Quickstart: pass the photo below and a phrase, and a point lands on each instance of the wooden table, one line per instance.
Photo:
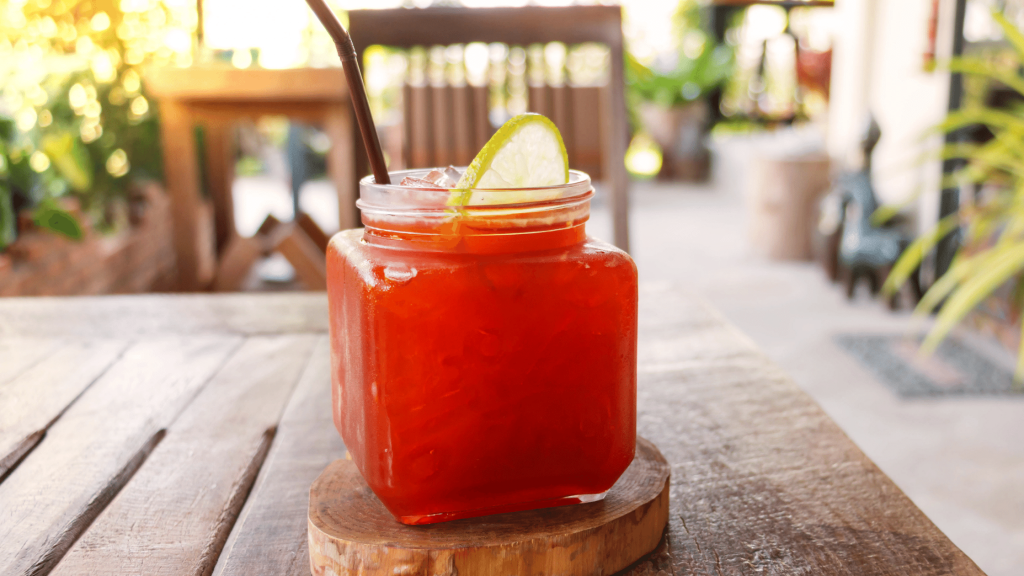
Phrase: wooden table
(180, 435)
(216, 98)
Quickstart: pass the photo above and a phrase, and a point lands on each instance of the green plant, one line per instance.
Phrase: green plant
(78, 152)
(697, 67)
(74, 121)
(19, 181)
(991, 225)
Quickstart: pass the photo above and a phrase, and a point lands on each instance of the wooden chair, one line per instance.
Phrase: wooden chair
(406, 28)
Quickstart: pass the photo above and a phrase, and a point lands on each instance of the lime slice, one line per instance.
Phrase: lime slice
(527, 152)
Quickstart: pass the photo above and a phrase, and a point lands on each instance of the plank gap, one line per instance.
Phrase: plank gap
(24, 447)
(92, 510)
(117, 358)
(239, 495)
(16, 456)
(188, 497)
(93, 453)
(270, 536)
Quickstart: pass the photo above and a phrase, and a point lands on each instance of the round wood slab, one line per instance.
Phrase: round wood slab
(350, 531)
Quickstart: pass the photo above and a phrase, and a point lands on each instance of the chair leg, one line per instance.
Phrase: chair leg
(848, 276)
(915, 286)
(875, 276)
(298, 159)
(341, 163)
(893, 301)
(617, 181)
(616, 138)
(219, 142)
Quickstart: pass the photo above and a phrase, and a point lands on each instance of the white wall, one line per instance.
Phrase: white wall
(849, 90)
(878, 65)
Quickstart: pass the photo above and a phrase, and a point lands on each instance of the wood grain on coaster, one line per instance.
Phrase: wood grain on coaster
(350, 531)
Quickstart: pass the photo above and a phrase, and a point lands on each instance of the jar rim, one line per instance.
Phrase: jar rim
(395, 197)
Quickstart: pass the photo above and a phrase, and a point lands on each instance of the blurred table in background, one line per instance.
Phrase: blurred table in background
(215, 98)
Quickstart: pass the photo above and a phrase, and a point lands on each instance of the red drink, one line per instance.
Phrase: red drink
(483, 359)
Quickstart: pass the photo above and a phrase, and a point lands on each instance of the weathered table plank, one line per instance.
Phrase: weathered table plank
(133, 316)
(95, 447)
(32, 401)
(176, 512)
(763, 482)
(270, 535)
(19, 354)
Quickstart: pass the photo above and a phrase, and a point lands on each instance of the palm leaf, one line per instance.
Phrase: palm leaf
(960, 269)
(1018, 374)
(952, 151)
(1008, 145)
(912, 256)
(995, 222)
(993, 156)
(1004, 263)
(1013, 228)
(970, 174)
(995, 119)
(999, 152)
(984, 224)
(978, 67)
(886, 212)
(1012, 33)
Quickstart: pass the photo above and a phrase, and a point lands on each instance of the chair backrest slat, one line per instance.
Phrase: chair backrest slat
(405, 28)
(448, 124)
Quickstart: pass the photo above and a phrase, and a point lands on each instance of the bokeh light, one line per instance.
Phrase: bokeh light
(643, 157)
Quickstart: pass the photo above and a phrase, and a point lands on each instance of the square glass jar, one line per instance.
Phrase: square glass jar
(483, 356)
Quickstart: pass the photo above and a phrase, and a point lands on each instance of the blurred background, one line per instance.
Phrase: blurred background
(817, 170)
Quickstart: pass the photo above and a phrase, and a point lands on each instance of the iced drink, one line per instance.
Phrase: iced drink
(483, 355)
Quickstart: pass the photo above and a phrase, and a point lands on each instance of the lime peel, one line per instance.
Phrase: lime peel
(526, 152)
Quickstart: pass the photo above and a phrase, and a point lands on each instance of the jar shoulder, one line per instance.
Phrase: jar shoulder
(352, 261)
(348, 245)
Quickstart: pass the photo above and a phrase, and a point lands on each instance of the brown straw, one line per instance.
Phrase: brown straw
(356, 90)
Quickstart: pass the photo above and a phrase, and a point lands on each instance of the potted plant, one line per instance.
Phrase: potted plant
(80, 211)
(990, 226)
(51, 171)
(669, 95)
(17, 183)
(76, 131)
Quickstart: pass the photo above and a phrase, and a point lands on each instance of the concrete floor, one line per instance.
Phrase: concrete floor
(961, 460)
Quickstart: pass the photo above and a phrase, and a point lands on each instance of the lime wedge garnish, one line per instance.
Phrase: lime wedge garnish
(526, 152)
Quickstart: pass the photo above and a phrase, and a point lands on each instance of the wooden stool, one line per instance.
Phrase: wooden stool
(350, 531)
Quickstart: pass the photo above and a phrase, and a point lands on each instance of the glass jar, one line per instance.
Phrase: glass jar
(483, 356)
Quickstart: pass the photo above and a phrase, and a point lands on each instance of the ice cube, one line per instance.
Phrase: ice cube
(453, 174)
(417, 183)
(436, 178)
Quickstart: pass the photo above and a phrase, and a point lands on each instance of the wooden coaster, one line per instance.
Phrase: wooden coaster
(350, 531)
